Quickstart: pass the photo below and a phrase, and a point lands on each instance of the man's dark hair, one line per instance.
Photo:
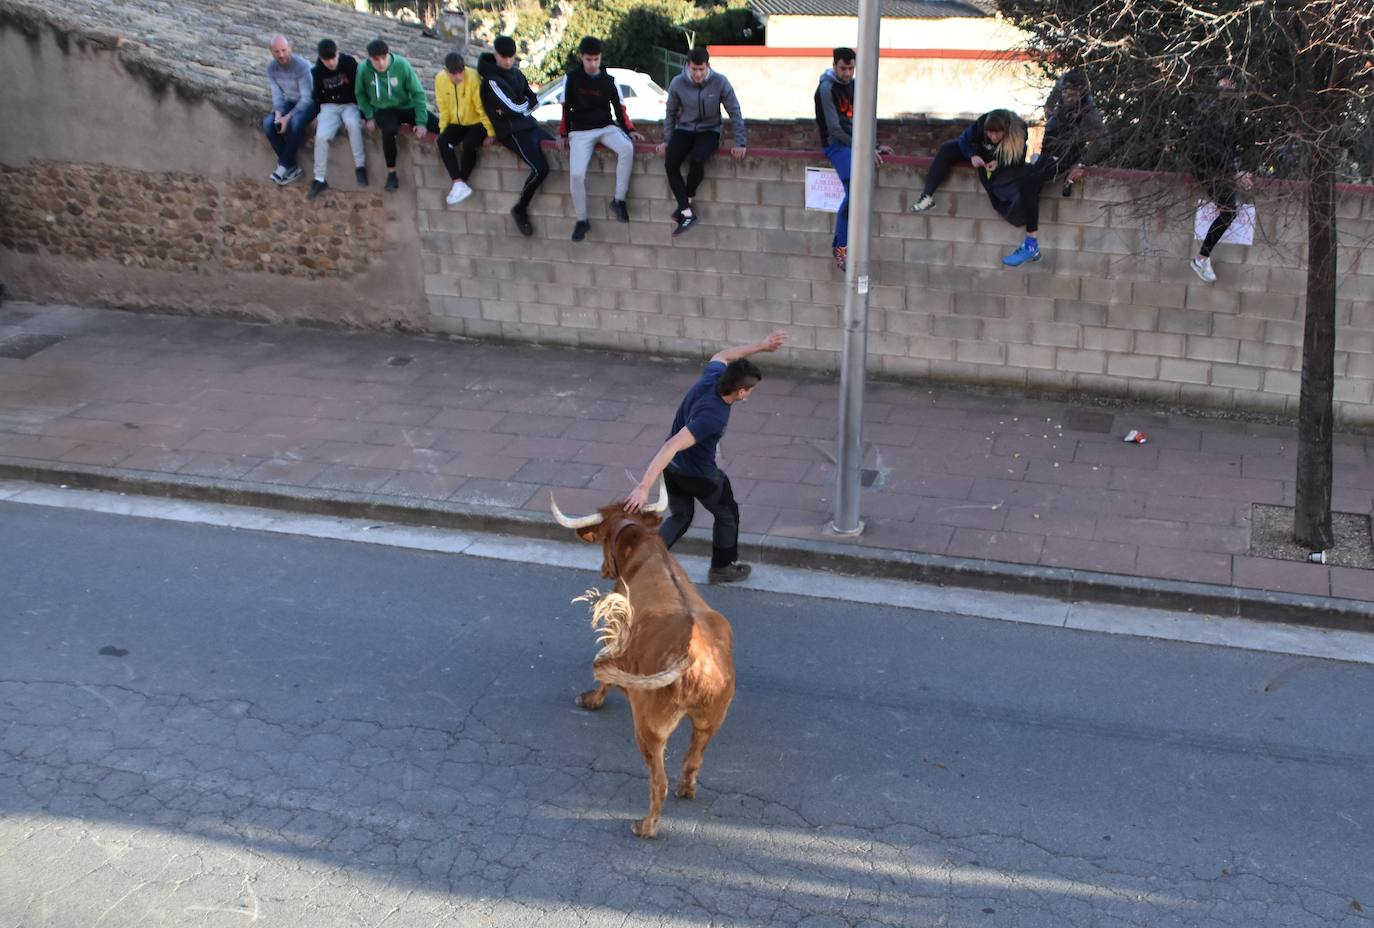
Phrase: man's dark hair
(740, 372)
(843, 54)
(453, 63)
(1077, 79)
(699, 56)
(377, 48)
(327, 49)
(504, 46)
(590, 45)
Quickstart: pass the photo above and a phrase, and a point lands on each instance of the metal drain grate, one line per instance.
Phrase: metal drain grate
(19, 347)
(867, 477)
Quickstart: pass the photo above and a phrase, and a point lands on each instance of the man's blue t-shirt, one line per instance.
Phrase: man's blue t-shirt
(705, 415)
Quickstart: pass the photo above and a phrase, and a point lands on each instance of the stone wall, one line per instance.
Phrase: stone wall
(124, 195)
(1113, 309)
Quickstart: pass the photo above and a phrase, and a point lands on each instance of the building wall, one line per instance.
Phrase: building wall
(779, 83)
(1112, 309)
(982, 33)
(130, 193)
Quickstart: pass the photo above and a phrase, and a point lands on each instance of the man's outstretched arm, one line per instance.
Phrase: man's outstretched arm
(681, 441)
(772, 343)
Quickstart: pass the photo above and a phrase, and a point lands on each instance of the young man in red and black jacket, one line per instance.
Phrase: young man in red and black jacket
(590, 100)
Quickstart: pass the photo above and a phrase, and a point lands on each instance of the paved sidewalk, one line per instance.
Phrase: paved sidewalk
(998, 491)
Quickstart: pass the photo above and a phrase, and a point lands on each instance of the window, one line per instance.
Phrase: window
(626, 91)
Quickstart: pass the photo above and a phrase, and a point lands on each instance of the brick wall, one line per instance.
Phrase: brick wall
(1112, 309)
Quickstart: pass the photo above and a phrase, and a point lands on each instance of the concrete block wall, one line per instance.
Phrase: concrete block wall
(1113, 308)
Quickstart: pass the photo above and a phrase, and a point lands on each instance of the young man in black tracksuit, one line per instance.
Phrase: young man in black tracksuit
(590, 101)
(509, 102)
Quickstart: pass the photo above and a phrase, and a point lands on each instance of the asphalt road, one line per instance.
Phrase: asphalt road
(203, 726)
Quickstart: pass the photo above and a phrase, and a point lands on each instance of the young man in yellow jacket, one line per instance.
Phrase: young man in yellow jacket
(463, 124)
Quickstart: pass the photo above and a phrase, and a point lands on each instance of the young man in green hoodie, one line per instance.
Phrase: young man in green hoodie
(390, 95)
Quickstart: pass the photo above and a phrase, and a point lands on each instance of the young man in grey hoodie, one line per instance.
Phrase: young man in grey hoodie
(691, 129)
(293, 106)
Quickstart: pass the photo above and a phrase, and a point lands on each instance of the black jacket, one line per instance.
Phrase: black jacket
(506, 96)
(336, 86)
(588, 102)
(835, 110)
(1216, 137)
(1073, 131)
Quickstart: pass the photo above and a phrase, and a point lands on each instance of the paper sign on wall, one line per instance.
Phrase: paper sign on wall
(1242, 231)
(823, 190)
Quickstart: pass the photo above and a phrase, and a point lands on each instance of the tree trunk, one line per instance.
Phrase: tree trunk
(1312, 517)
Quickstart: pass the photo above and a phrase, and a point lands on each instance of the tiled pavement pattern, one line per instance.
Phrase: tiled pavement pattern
(967, 474)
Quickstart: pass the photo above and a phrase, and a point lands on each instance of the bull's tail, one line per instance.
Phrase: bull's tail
(608, 673)
(612, 617)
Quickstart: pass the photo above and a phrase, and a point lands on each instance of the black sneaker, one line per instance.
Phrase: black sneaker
(685, 222)
(677, 215)
(393, 183)
(317, 187)
(730, 573)
(361, 175)
(579, 230)
(620, 211)
(522, 220)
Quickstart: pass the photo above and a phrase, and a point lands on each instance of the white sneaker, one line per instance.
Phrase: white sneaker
(278, 174)
(1202, 267)
(923, 204)
(458, 193)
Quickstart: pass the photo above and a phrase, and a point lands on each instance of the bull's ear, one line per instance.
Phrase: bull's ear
(651, 519)
(589, 533)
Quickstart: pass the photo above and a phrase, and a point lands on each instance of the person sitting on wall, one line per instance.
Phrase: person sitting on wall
(510, 103)
(590, 103)
(335, 76)
(463, 124)
(390, 96)
(1074, 137)
(1212, 149)
(293, 106)
(835, 119)
(996, 147)
(691, 129)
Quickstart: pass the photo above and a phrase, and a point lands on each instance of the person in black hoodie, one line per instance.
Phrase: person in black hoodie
(509, 102)
(335, 76)
(1212, 146)
(590, 98)
(835, 119)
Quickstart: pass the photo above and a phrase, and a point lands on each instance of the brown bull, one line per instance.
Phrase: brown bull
(662, 645)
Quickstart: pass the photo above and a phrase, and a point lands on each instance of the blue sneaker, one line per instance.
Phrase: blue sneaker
(1027, 252)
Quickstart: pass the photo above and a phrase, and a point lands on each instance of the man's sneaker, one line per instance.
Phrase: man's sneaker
(360, 174)
(580, 230)
(620, 211)
(278, 173)
(730, 573)
(841, 256)
(458, 193)
(924, 203)
(522, 220)
(393, 183)
(1026, 253)
(291, 176)
(685, 222)
(1202, 267)
(317, 187)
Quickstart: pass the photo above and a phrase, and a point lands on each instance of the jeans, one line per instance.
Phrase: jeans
(390, 121)
(332, 116)
(526, 144)
(287, 144)
(713, 492)
(468, 140)
(581, 144)
(841, 156)
(700, 146)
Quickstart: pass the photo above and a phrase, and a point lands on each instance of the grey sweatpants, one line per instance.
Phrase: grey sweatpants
(332, 116)
(580, 147)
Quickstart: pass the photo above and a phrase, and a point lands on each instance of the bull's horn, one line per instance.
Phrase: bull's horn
(662, 502)
(583, 522)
